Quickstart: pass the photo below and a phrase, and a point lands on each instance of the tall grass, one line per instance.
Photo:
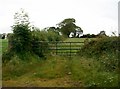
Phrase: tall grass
(92, 73)
(105, 52)
(17, 67)
(82, 72)
(53, 67)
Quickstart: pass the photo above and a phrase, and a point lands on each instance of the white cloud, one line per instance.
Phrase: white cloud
(92, 15)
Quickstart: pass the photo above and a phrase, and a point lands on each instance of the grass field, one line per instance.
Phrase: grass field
(78, 39)
(3, 45)
(75, 39)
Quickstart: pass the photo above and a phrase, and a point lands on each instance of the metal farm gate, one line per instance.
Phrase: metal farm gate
(62, 48)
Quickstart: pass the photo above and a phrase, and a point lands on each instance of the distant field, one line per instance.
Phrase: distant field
(78, 39)
(3, 45)
(75, 40)
(69, 46)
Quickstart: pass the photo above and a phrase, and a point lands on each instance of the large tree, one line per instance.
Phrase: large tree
(67, 26)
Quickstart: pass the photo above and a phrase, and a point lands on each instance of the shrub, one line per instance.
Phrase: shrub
(53, 36)
(39, 46)
(103, 49)
(40, 41)
(100, 46)
(21, 39)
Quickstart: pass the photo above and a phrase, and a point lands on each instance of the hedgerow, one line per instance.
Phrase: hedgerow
(104, 49)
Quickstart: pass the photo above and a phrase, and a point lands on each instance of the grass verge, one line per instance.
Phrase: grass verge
(58, 71)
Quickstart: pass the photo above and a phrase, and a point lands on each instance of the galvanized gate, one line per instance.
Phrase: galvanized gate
(64, 48)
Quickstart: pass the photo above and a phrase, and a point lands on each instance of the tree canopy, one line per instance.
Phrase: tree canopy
(67, 26)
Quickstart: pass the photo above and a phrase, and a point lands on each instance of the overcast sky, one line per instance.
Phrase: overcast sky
(91, 15)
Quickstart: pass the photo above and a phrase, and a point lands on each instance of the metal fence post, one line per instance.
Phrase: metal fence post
(70, 49)
(56, 48)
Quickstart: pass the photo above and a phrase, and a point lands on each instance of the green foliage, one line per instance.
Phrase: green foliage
(92, 73)
(40, 41)
(19, 43)
(21, 38)
(81, 72)
(6, 56)
(53, 67)
(67, 26)
(54, 36)
(104, 49)
(100, 46)
(17, 67)
(38, 45)
(3, 45)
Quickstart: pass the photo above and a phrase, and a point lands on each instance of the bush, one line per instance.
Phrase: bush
(40, 41)
(103, 49)
(100, 46)
(38, 45)
(53, 36)
(6, 56)
(21, 39)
